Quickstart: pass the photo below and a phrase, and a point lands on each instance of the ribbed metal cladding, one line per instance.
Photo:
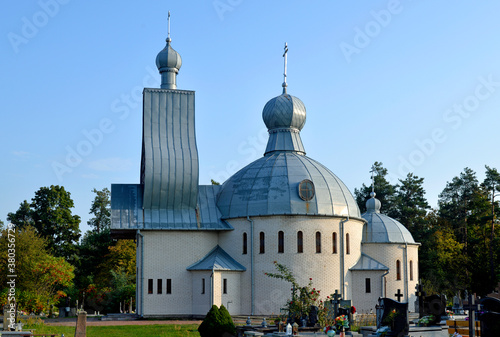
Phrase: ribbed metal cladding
(269, 186)
(383, 229)
(170, 157)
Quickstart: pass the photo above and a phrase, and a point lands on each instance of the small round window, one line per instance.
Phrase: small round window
(306, 190)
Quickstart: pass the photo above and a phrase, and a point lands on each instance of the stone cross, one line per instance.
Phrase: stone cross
(398, 295)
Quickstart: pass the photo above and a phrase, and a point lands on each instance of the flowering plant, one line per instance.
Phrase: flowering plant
(328, 328)
(342, 322)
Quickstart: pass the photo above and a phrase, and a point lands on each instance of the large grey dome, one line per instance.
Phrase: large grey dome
(381, 228)
(270, 186)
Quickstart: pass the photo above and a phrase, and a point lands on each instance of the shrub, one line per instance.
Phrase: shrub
(217, 323)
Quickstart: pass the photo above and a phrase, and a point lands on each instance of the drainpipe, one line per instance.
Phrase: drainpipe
(212, 295)
(405, 258)
(342, 256)
(141, 272)
(251, 267)
(382, 283)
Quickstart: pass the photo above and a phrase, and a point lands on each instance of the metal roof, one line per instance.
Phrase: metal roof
(169, 163)
(269, 186)
(381, 228)
(127, 211)
(284, 116)
(217, 259)
(367, 263)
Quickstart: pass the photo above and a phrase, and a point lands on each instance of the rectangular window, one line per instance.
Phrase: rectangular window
(150, 286)
(224, 286)
(368, 286)
(160, 286)
(202, 285)
(169, 286)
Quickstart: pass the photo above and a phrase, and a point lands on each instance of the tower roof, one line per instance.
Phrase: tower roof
(168, 62)
(381, 228)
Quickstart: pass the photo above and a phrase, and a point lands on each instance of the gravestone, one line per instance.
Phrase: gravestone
(457, 307)
(313, 316)
(399, 323)
(435, 305)
(490, 317)
(81, 324)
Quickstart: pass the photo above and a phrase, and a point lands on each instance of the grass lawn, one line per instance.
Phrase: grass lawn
(122, 330)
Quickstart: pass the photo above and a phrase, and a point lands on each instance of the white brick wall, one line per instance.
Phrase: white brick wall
(167, 254)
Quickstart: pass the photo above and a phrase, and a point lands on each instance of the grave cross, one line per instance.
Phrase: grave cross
(336, 300)
(472, 307)
(399, 295)
(420, 295)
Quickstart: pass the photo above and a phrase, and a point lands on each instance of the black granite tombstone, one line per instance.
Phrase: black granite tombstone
(435, 306)
(490, 317)
(313, 316)
(393, 314)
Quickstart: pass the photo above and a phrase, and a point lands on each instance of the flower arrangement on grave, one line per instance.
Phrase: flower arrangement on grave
(342, 322)
(425, 320)
(449, 313)
(328, 329)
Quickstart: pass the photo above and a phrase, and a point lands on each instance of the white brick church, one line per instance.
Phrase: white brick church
(200, 245)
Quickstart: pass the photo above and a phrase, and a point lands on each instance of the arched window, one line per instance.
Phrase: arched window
(411, 270)
(262, 246)
(300, 242)
(334, 243)
(318, 242)
(245, 243)
(281, 242)
(398, 270)
(347, 244)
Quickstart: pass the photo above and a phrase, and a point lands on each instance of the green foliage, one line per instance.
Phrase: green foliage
(384, 190)
(217, 323)
(302, 297)
(101, 209)
(214, 182)
(50, 214)
(41, 277)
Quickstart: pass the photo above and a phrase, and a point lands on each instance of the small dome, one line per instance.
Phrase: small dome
(284, 111)
(285, 183)
(168, 59)
(381, 228)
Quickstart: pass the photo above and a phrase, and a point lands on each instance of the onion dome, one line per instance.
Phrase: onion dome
(381, 228)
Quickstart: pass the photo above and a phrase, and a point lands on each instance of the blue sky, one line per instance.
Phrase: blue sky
(412, 84)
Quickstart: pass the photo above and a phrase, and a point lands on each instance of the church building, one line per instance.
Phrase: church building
(199, 245)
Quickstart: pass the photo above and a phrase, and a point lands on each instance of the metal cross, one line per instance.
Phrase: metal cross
(284, 71)
(373, 178)
(168, 29)
(399, 295)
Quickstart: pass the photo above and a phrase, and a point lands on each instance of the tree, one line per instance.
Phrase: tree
(217, 323)
(50, 214)
(384, 190)
(23, 216)
(40, 275)
(465, 208)
(411, 205)
(101, 210)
